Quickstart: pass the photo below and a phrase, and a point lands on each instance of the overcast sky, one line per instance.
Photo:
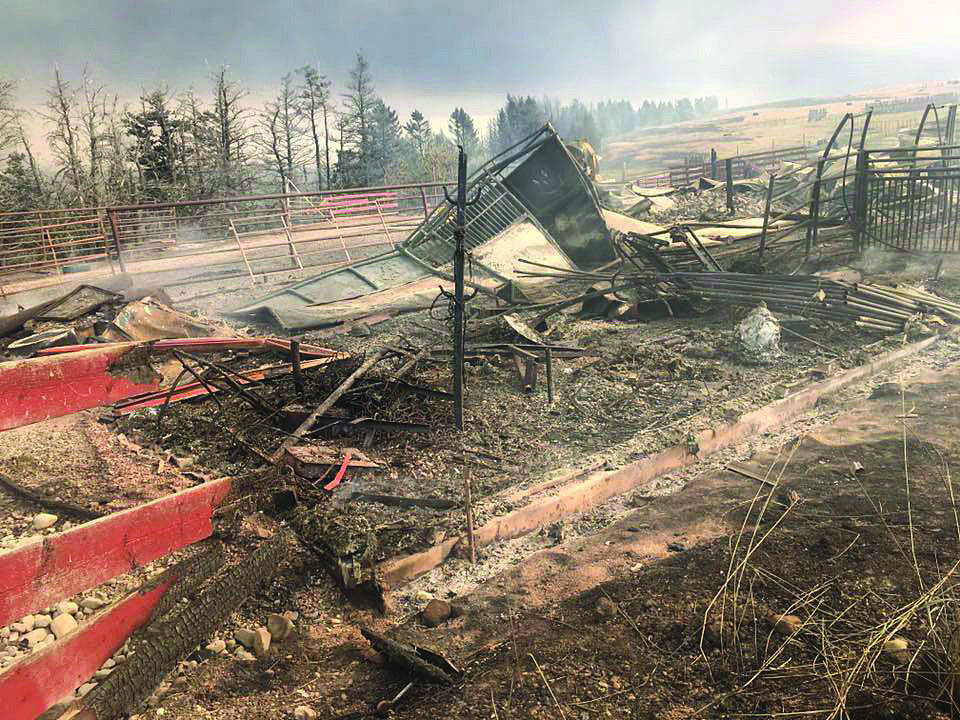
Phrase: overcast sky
(437, 55)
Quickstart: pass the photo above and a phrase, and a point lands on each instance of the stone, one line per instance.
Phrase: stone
(244, 655)
(109, 663)
(42, 521)
(895, 644)
(261, 641)
(760, 336)
(92, 603)
(68, 606)
(217, 646)
(887, 389)
(85, 688)
(102, 673)
(42, 621)
(62, 624)
(606, 608)
(423, 596)
(24, 626)
(372, 656)
(245, 637)
(360, 330)
(35, 637)
(292, 615)
(436, 612)
(785, 624)
(279, 627)
(304, 712)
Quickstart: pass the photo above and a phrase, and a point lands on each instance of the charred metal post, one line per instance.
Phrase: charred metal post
(814, 208)
(550, 390)
(115, 231)
(297, 369)
(766, 214)
(713, 163)
(458, 260)
(728, 170)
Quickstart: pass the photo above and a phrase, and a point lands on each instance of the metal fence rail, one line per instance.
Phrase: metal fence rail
(298, 230)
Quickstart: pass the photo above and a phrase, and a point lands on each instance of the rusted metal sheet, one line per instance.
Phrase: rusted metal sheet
(43, 572)
(48, 387)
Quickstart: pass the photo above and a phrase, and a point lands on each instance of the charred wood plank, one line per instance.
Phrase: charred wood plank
(171, 637)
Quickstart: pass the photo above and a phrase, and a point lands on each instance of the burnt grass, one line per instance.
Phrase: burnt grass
(652, 646)
(836, 553)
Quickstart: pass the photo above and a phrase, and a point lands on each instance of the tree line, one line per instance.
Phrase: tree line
(184, 145)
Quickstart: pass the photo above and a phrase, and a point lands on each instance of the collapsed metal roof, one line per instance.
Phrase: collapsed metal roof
(536, 181)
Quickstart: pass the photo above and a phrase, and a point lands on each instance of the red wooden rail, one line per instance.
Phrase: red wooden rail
(49, 676)
(42, 572)
(47, 387)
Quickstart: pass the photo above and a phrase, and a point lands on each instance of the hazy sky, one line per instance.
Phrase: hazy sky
(435, 55)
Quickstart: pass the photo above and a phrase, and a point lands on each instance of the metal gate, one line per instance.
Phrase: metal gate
(909, 199)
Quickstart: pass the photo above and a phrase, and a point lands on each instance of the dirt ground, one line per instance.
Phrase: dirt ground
(665, 612)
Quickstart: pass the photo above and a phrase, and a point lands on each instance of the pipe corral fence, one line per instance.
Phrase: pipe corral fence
(253, 236)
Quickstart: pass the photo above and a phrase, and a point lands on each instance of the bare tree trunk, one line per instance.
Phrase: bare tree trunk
(326, 143)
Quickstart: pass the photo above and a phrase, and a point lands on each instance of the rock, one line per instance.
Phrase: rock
(261, 641)
(85, 688)
(42, 521)
(35, 637)
(360, 330)
(457, 611)
(244, 655)
(24, 626)
(41, 621)
(887, 389)
(68, 606)
(245, 637)
(279, 627)
(102, 673)
(556, 532)
(304, 712)
(606, 608)
(760, 336)
(676, 547)
(701, 351)
(291, 615)
(62, 624)
(92, 603)
(372, 656)
(109, 663)
(217, 646)
(423, 596)
(436, 612)
(895, 644)
(784, 624)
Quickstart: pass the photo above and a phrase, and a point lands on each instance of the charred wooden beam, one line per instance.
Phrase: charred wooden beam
(171, 637)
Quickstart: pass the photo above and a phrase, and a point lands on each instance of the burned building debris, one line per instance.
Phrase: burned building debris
(610, 338)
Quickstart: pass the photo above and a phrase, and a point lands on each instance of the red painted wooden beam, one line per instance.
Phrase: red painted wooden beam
(43, 572)
(40, 681)
(47, 387)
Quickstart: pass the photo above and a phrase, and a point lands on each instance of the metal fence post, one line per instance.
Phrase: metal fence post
(728, 168)
(859, 200)
(115, 231)
(814, 209)
(766, 214)
(713, 163)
